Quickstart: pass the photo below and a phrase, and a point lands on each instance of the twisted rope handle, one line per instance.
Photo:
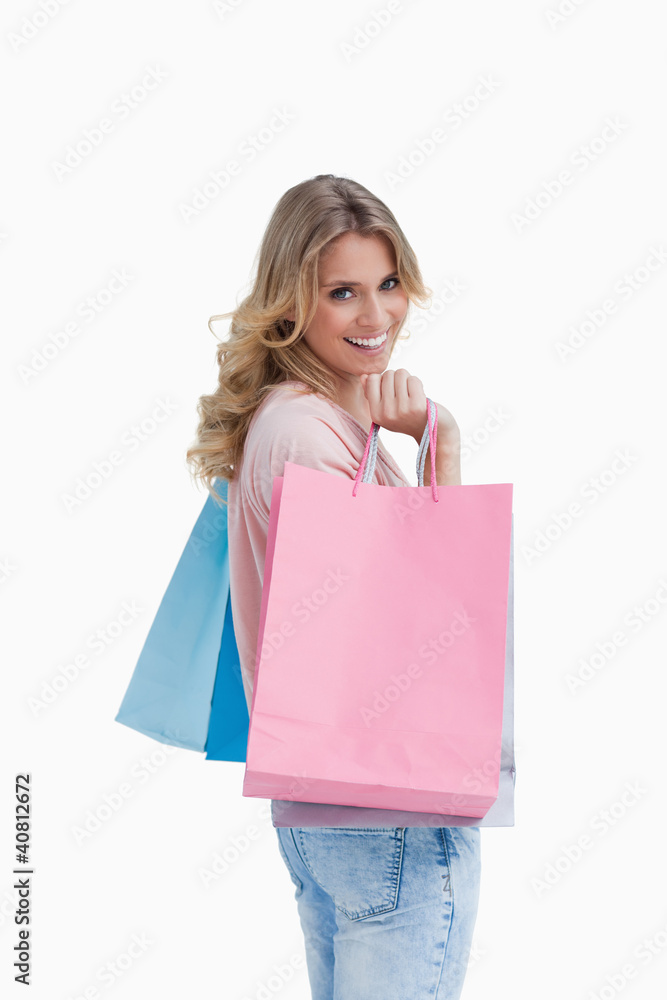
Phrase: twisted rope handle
(429, 437)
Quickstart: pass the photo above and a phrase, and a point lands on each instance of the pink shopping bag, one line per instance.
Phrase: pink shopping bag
(381, 654)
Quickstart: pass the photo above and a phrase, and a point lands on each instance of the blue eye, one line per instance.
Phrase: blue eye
(334, 294)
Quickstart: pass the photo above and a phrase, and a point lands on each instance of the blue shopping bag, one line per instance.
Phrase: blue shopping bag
(186, 689)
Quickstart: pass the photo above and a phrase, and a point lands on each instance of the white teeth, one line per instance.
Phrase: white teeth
(373, 342)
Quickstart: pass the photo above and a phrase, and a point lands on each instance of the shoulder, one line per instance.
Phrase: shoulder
(291, 412)
(295, 426)
(292, 399)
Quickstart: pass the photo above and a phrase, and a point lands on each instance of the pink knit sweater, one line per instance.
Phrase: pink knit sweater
(287, 426)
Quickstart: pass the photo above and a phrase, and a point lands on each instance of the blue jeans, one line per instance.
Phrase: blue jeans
(387, 913)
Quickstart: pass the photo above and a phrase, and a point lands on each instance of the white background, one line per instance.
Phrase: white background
(361, 98)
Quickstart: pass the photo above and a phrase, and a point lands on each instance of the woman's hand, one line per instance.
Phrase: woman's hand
(397, 401)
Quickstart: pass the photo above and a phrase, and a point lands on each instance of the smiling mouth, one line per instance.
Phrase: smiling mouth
(368, 342)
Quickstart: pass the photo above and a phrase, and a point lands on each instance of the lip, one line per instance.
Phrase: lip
(371, 351)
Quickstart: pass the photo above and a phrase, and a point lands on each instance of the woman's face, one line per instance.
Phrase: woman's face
(359, 298)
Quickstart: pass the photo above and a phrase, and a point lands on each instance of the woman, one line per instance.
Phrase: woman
(386, 912)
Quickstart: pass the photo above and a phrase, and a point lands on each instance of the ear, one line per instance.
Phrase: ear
(290, 317)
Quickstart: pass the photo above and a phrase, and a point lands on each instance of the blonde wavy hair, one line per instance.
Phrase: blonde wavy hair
(263, 348)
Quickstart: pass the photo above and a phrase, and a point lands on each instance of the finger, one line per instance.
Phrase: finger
(401, 376)
(410, 401)
(372, 390)
(387, 385)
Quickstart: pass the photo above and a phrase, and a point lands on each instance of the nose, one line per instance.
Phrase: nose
(372, 314)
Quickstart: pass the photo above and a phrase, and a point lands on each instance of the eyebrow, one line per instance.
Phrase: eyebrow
(330, 284)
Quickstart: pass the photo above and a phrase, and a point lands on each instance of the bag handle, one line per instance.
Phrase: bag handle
(429, 437)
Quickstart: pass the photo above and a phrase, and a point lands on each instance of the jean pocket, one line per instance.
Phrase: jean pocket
(360, 868)
(292, 874)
